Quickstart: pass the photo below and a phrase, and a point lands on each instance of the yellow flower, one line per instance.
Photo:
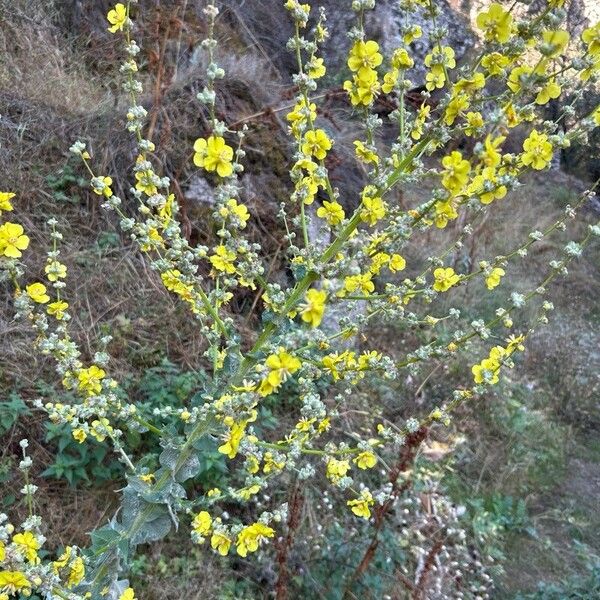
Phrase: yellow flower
(474, 123)
(55, 270)
(57, 309)
(281, 366)
(223, 260)
(316, 69)
(145, 182)
(364, 55)
(271, 464)
(316, 143)
(314, 308)
(414, 32)
(80, 435)
(550, 91)
(495, 63)
(519, 76)
(332, 212)
(556, 41)
(5, 198)
(420, 120)
(117, 17)
(13, 581)
(359, 283)
(396, 263)
(239, 211)
(250, 537)
(76, 572)
(12, 240)
(591, 37)
(100, 429)
(401, 59)
(336, 469)
(365, 460)
(488, 370)
(373, 208)
(128, 594)
(365, 154)
(537, 151)
(202, 523)
(444, 212)
(389, 81)
(90, 380)
(27, 545)
(456, 173)
(456, 106)
(493, 279)
(361, 507)
(220, 542)
(445, 278)
(301, 114)
(363, 88)
(496, 23)
(37, 292)
(233, 439)
(214, 154)
(101, 186)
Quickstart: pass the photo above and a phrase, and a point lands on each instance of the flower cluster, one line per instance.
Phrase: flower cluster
(305, 353)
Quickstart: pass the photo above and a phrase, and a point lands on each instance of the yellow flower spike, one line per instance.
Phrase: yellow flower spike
(5, 204)
(117, 17)
(12, 240)
(76, 572)
(37, 292)
(396, 263)
(445, 278)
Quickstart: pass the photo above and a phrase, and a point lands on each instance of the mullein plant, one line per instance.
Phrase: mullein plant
(527, 62)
